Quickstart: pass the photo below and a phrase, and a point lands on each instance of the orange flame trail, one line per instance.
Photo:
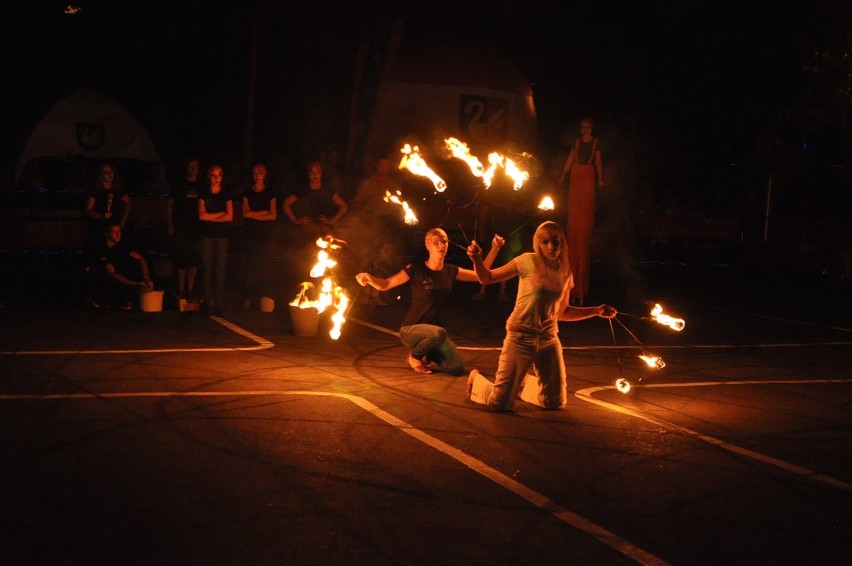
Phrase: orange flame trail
(410, 218)
(657, 314)
(412, 161)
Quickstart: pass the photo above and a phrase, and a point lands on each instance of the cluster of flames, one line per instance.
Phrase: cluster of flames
(414, 162)
(330, 294)
(653, 361)
(459, 150)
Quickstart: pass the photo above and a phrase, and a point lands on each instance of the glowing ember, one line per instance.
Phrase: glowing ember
(412, 161)
(546, 204)
(622, 384)
(666, 320)
(410, 217)
(653, 361)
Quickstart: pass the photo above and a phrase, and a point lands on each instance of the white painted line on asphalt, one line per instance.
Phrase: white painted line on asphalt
(587, 395)
(262, 344)
(539, 500)
(627, 347)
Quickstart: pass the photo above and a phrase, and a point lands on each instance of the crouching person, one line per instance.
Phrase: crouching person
(118, 274)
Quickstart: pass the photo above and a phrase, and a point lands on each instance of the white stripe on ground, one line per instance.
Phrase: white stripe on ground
(262, 344)
(628, 347)
(587, 395)
(539, 500)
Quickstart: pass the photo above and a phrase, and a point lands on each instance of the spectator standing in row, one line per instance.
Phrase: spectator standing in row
(260, 211)
(182, 208)
(313, 212)
(106, 203)
(215, 213)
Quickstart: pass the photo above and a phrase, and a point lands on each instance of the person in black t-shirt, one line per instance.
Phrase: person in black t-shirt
(431, 281)
(260, 211)
(215, 213)
(119, 273)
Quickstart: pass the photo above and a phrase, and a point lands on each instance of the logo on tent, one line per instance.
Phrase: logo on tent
(90, 136)
(483, 119)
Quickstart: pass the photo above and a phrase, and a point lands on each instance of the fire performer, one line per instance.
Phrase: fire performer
(584, 161)
(545, 282)
(431, 282)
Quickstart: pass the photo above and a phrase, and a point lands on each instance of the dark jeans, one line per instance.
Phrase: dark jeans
(214, 258)
(432, 341)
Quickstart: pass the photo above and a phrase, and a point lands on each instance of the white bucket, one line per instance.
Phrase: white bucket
(267, 304)
(151, 301)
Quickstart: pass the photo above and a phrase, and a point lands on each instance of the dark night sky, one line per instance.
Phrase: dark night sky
(685, 85)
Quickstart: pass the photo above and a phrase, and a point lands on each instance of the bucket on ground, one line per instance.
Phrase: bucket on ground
(267, 304)
(151, 301)
(305, 321)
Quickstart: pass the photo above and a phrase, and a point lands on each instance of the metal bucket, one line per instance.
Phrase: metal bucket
(305, 321)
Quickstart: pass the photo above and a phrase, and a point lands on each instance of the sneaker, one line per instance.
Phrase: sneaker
(92, 304)
(128, 306)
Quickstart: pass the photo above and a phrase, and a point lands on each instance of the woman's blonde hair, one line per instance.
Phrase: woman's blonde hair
(546, 230)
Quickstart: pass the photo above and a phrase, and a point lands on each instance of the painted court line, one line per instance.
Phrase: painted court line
(587, 395)
(539, 500)
(262, 344)
(627, 347)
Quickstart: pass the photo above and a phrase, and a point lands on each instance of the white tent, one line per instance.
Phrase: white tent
(90, 125)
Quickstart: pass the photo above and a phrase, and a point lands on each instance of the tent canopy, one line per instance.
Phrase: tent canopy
(88, 126)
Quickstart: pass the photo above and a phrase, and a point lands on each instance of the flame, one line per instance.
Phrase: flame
(69, 9)
(516, 173)
(410, 217)
(664, 319)
(546, 204)
(412, 161)
(653, 361)
(622, 384)
(331, 294)
(459, 150)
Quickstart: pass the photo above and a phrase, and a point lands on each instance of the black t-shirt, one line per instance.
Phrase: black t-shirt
(214, 203)
(108, 201)
(315, 203)
(428, 291)
(258, 201)
(185, 208)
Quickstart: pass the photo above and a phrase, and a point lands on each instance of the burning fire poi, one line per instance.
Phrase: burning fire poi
(658, 315)
(459, 150)
(412, 161)
(410, 217)
(546, 204)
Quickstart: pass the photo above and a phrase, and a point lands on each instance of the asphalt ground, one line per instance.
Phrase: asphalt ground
(170, 437)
